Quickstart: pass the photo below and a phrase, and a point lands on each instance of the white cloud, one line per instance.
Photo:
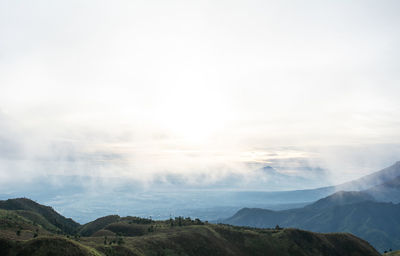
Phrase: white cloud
(187, 86)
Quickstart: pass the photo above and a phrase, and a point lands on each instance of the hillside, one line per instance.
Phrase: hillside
(30, 210)
(90, 228)
(395, 253)
(353, 212)
(116, 236)
(45, 246)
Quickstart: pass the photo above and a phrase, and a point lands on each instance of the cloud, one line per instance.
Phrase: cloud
(140, 89)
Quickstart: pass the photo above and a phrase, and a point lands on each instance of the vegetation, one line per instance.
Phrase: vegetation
(391, 253)
(100, 223)
(45, 246)
(178, 236)
(47, 214)
(353, 212)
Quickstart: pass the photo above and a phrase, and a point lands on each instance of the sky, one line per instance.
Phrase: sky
(141, 89)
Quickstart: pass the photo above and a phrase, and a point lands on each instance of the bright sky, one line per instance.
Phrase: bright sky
(195, 85)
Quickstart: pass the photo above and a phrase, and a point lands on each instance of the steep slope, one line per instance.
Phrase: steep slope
(376, 222)
(65, 225)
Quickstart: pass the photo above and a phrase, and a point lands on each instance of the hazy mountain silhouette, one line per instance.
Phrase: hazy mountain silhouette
(354, 212)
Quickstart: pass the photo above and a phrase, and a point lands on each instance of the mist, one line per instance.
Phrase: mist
(198, 94)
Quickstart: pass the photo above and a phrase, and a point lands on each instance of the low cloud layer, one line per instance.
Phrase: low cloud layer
(99, 162)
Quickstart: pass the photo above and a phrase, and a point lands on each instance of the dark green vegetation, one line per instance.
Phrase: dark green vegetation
(353, 212)
(48, 217)
(45, 246)
(32, 231)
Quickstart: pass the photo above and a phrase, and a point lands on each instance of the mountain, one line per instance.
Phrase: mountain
(373, 184)
(341, 198)
(124, 236)
(86, 202)
(386, 192)
(374, 179)
(30, 210)
(353, 212)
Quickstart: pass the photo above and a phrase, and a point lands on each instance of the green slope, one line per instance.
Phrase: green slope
(92, 227)
(49, 214)
(395, 253)
(45, 246)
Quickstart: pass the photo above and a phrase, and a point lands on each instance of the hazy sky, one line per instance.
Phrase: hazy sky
(142, 87)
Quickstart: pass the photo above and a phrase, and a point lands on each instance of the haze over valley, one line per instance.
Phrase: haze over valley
(231, 123)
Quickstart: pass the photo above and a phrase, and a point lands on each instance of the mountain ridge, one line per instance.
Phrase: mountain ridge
(377, 222)
(179, 236)
(67, 225)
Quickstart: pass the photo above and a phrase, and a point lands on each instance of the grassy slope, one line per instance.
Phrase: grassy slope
(395, 253)
(66, 225)
(45, 246)
(12, 223)
(38, 219)
(98, 224)
(227, 240)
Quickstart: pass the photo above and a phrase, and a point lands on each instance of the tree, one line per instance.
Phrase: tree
(120, 241)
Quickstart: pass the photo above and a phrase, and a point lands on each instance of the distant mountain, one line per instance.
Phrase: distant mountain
(341, 198)
(133, 236)
(84, 202)
(47, 213)
(382, 185)
(370, 184)
(354, 212)
(386, 192)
